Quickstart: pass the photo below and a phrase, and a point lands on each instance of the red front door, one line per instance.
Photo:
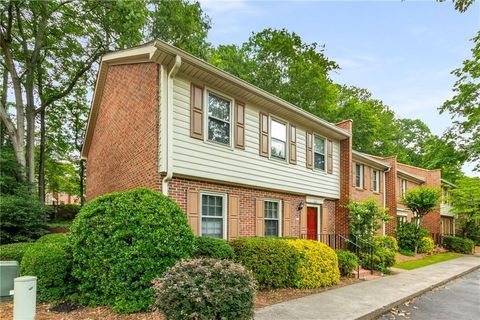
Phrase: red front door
(312, 223)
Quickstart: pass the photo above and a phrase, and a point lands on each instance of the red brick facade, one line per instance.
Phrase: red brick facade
(341, 217)
(123, 152)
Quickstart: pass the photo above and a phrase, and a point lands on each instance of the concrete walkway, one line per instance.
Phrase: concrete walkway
(367, 300)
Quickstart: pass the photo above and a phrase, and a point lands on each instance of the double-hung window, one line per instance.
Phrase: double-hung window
(358, 175)
(376, 180)
(213, 215)
(278, 140)
(272, 218)
(319, 153)
(403, 187)
(219, 118)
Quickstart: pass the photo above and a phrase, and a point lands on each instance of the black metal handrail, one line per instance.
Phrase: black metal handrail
(371, 249)
(357, 248)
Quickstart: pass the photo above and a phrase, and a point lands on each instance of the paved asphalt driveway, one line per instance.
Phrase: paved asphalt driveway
(457, 300)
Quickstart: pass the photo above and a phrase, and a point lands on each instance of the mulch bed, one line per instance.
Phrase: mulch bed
(73, 311)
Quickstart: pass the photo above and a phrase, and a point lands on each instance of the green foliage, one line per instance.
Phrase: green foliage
(204, 247)
(66, 211)
(463, 106)
(205, 289)
(318, 266)
(122, 241)
(426, 245)
(14, 251)
(273, 262)
(49, 262)
(23, 217)
(457, 244)
(387, 242)
(181, 23)
(409, 236)
(381, 260)
(365, 218)
(347, 262)
(465, 199)
(421, 200)
(471, 230)
(57, 238)
(406, 252)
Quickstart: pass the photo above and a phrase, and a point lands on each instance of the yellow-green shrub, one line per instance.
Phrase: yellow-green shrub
(318, 266)
(426, 245)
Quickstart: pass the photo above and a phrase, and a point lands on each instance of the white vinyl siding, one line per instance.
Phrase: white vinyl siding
(204, 160)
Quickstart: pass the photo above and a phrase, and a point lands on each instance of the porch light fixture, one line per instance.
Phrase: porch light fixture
(300, 206)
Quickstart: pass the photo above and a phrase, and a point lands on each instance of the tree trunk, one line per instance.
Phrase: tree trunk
(41, 159)
(82, 175)
(30, 156)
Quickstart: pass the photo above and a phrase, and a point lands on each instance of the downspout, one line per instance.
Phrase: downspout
(385, 193)
(169, 130)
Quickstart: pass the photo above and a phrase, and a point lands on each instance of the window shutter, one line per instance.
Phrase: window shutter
(364, 177)
(193, 204)
(259, 224)
(233, 216)
(263, 134)
(380, 180)
(309, 150)
(287, 212)
(371, 178)
(293, 145)
(324, 220)
(196, 112)
(329, 156)
(354, 173)
(240, 125)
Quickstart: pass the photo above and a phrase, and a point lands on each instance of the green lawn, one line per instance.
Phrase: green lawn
(413, 264)
(60, 224)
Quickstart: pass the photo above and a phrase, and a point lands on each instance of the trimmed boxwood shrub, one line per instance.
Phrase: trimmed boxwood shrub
(204, 247)
(318, 265)
(273, 262)
(457, 244)
(386, 242)
(383, 259)
(51, 265)
(426, 245)
(205, 289)
(14, 251)
(347, 262)
(121, 241)
(59, 238)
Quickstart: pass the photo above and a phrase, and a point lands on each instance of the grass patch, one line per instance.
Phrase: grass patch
(414, 264)
(60, 224)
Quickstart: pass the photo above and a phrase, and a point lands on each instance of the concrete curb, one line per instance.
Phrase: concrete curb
(376, 313)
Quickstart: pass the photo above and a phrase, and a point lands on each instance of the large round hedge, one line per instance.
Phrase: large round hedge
(121, 241)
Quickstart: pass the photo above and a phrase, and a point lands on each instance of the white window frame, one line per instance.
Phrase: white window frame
(325, 153)
(362, 168)
(279, 215)
(403, 187)
(224, 213)
(376, 180)
(270, 131)
(232, 102)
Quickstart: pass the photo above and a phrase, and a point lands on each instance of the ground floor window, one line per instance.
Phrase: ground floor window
(272, 218)
(213, 215)
(447, 225)
(401, 219)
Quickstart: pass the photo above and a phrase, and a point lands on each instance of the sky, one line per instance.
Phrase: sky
(403, 52)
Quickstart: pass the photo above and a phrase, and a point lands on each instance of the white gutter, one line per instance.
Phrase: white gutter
(169, 130)
(385, 193)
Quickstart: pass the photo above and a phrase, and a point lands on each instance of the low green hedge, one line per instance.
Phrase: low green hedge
(273, 262)
(347, 262)
(58, 238)
(457, 244)
(14, 251)
(49, 262)
(381, 260)
(204, 247)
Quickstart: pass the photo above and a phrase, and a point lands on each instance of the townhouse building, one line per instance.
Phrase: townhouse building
(238, 160)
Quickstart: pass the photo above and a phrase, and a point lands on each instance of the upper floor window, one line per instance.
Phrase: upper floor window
(272, 218)
(278, 140)
(358, 175)
(403, 187)
(213, 215)
(218, 121)
(376, 180)
(319, 153)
